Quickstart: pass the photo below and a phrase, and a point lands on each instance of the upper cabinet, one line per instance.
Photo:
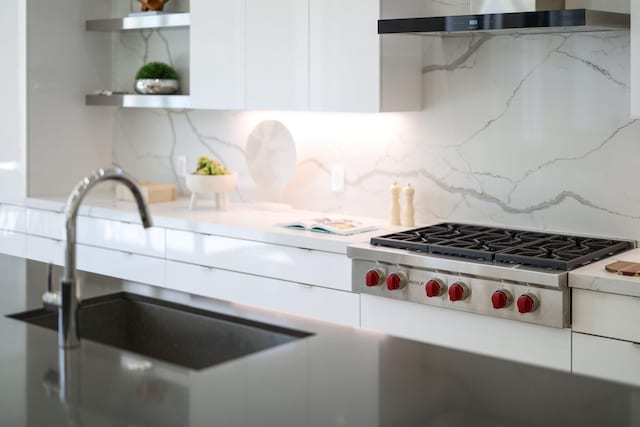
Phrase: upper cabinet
(305, 55)
(352, 68)
(277, 52)
(217, 54)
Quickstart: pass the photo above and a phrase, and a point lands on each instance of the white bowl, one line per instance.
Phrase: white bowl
(211, 183)
(218, 184)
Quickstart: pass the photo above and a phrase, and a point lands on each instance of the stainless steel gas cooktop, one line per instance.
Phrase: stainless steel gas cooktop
(513, 274)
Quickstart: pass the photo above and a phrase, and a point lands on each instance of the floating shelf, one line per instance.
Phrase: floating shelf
(140, 101)
(165, 20)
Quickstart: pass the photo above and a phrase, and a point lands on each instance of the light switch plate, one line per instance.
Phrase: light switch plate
(181, 166)
(337, 179)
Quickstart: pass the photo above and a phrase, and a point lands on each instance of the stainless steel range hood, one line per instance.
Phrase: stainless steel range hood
(515, 16)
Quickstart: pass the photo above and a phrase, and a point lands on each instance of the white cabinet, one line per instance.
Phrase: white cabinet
(606, 329)
(606, 358)
(217, 54)
(12, 230)
(318, 55)
(277, 73)
(287, 297)
(123, 236)
(249, 54)
(352, 68)
(46, 223)
(606, 315)
(299, 265)
(507, 339)
(50, 251)
(12, 243)
(123, 265)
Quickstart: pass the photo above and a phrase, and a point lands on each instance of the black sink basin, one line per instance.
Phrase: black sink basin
(174, 333)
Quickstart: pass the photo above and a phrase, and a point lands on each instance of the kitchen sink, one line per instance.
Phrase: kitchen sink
(174, 333)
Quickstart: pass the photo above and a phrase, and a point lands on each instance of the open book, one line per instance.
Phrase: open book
(343, 226)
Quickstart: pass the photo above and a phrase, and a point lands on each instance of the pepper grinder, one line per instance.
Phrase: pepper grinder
(408, 214)
(394, 208)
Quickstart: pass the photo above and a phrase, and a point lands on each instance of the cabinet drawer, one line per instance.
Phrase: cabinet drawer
(45, 250)
(292, 298)
(325, 269)
(606, 358)
(12, 243)
(46, 223)
(506, 339)
(607, 315)
(122, 236)
(123, 265)
(13, 218)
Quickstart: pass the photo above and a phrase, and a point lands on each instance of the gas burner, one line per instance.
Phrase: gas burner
(535, 249)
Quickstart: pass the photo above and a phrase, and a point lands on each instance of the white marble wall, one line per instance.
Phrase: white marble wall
(529, 131)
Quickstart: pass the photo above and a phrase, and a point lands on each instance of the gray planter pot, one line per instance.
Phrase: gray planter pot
(156, 86)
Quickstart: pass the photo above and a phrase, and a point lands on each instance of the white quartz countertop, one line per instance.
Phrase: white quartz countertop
(594, 277)
(257, 222)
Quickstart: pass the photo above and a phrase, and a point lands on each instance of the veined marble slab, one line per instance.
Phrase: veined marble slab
(517, 130)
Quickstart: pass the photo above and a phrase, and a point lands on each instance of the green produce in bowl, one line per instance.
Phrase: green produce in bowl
(207, 166)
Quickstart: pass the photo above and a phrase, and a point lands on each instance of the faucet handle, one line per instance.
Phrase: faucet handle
(50, 299)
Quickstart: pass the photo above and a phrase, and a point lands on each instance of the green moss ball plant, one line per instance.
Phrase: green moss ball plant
(156, 78)
(157, 70)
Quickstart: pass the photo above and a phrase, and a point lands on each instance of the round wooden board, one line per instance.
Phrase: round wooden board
(625, 268)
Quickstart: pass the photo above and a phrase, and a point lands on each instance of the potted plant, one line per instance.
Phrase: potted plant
(211, 177)
(156, 78)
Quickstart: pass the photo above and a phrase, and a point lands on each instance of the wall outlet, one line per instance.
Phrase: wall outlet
(337, 179)
(181, 166)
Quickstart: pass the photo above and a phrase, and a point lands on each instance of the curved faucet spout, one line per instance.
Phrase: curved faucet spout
(68, 336)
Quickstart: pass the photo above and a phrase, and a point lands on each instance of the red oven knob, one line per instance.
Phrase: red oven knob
(396, 281)
(527, 303)
(435, 288)
(458, 292)
(375, 277)
(501, 299)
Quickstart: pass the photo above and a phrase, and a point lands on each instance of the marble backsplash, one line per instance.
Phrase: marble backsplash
(516, 130)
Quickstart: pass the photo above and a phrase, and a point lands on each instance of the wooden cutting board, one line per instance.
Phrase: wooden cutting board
(625, 268)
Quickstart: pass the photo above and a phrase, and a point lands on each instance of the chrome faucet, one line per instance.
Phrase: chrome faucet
(68, 310)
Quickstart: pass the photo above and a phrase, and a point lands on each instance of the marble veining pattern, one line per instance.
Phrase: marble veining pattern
(517, 130)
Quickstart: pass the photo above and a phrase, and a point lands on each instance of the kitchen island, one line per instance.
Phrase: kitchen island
(335, 377)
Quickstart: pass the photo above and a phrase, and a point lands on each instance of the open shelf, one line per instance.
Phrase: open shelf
(140, 101)
(164, 20)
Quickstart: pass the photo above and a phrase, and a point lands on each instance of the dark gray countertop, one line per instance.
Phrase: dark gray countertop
(337, 377)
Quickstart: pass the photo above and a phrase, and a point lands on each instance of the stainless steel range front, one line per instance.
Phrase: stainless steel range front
(512, 274)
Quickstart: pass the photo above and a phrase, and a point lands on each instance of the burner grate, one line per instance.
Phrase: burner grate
(553, 251)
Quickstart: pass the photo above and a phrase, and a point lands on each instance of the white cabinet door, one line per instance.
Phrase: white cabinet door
(606, 315)
(217, 54)
(299, 265)
(345, 55)
(506, 339)
(287, 297)
(277, 67)
(122, 236)
(45, 250)
(127, 266)
(606, 358)
(12, 243)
